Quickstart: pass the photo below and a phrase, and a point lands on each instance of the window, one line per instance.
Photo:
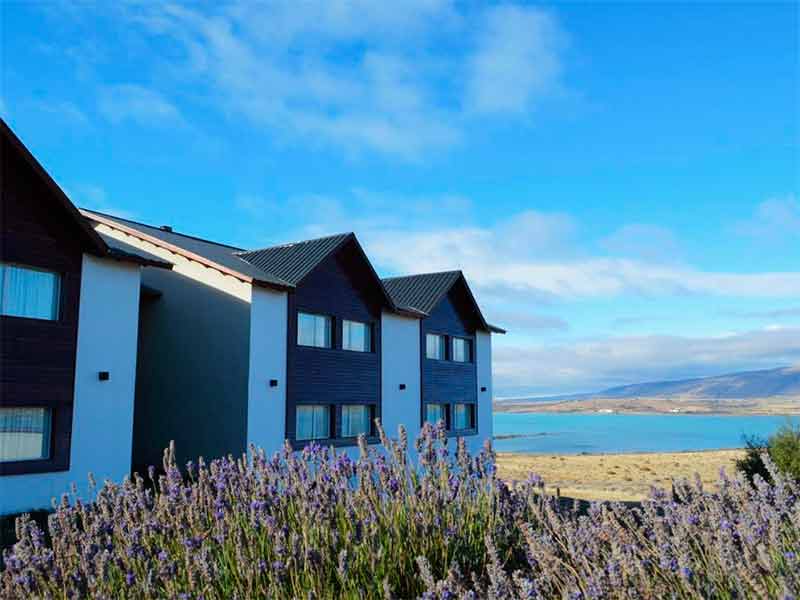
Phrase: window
(27, 292)
(24, 434)
(434, 346)
(356, 419)
(313, 330)
(461, 350)
(463, 416)
(313, 422)
(435, 413)
(356, 336)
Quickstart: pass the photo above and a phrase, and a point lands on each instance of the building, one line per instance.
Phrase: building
(69, 314)
(119, 337)
(300, 341)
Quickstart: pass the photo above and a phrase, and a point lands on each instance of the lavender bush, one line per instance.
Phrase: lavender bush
(317, 524)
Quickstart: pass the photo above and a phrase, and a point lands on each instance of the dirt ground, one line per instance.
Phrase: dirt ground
(617, 476)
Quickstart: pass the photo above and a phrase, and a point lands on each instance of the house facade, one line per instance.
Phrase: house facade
(300, 342)
(69, 306)
(119, 337)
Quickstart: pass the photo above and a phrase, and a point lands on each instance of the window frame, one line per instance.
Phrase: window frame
(47, 434)
(445, 408)
(473, 417)
(467, 349)
(331, 330)
(368, 326)
(340, 420)
(328, 409)
(58, 293)
(443, 346)
(59, 443)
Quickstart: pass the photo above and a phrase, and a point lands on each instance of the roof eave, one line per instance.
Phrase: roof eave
(123, 256)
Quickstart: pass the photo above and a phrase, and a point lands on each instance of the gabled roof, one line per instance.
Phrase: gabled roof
(293, 262)
(90, 239)
(423, 292)
(122, 251)
(212, 254)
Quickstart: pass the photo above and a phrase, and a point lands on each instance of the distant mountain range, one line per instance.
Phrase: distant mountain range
(768, 383)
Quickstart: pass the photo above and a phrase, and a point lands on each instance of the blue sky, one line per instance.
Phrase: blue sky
(618, 181)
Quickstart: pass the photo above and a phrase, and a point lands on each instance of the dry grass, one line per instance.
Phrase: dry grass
(617, 476)
(689, 405)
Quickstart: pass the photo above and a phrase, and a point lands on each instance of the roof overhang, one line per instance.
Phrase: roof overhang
(182, 252)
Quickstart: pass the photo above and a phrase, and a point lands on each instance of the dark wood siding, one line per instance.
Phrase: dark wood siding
(338, 287)
(445, 381)
(37, 356)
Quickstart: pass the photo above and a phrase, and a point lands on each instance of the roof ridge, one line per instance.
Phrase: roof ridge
(451, 271)
(186, 235)
(295, 243)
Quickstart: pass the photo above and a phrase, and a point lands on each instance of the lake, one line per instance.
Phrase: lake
(549, 433)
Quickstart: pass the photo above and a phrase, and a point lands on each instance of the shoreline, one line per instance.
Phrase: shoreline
(622, 452)
(618, 476)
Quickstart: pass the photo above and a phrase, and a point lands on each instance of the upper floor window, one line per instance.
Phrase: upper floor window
(28, 292)
(356, 420)
(313, 422)
(434, 346)
(461, 350)
(313, 330)
(24, 433)
(356, 336)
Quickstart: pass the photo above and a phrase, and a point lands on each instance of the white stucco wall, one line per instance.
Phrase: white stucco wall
(102, 418)
(483, 356)
(400, 364)
(266, 408)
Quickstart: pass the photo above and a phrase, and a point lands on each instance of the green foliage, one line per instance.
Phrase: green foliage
(782, 447)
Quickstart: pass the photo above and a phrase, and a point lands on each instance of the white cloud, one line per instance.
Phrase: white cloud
(774, 220)
(136, 103)
(644, 241)
(365, 76)
(595, 364)
(94, 197)
(517, 60)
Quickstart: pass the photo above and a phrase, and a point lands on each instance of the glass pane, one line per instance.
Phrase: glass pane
(355, 420)
(458, 350)
(24, 433)
(312, 422)
(434, 346)
(29, 293)
(313, 330)
(462, 416)
(355, 336)
(434, 413)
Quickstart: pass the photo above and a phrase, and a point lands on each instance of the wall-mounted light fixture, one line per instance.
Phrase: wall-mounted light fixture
(273, 383)
(104, 376)
(402, 386)
(483, 388)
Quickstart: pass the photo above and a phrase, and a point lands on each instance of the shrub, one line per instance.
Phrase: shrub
(783, 448)
(317, 524)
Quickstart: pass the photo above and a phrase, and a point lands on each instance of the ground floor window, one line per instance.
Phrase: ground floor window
(463, 416)
(356, 420)
(435, 413)
(313, 422)
(25, 433)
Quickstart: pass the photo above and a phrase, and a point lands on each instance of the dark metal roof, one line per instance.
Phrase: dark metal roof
(219, 254)
(122, 251)
(292, 262)
(423, 292)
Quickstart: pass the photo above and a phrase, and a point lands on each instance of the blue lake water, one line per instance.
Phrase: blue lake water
(547, 433)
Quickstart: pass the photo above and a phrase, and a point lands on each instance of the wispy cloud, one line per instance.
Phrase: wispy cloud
(774, 221)
(778, 313)
(138, 104)
(594, 364)
(369, 77)
(95, 197)
(517, 61)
